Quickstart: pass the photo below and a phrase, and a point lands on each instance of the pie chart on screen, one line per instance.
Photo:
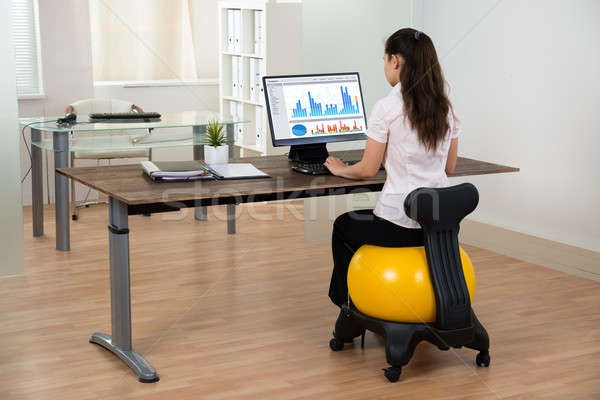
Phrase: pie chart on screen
(299, 130)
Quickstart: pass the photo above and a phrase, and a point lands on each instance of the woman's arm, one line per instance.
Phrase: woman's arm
(452, 156)
(365, 168)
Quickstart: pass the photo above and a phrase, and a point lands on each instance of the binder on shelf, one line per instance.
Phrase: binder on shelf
(235, 77)
(251, 83)
(258, 81)
(237, 30)
(240, 78)
(239, 128)
(260, 136)
(258, 33)
(230, 33)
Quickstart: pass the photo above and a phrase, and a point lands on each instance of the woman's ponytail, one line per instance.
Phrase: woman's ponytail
(423, 88)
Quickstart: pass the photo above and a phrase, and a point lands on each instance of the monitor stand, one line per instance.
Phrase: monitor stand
(308, 153)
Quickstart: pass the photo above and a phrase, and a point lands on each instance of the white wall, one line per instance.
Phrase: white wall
(67, 71)
(204, 25)
(348, 35)
(201, 95)
(11, 211)
(525, 83)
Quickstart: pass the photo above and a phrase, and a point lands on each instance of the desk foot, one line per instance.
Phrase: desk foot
(145, 372)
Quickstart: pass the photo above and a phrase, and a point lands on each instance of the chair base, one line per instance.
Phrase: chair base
(401, 339)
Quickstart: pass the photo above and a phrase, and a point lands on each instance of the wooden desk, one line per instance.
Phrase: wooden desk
(128, 184)
(131, 192)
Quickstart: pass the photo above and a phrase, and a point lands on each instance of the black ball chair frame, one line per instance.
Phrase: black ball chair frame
(439, 212)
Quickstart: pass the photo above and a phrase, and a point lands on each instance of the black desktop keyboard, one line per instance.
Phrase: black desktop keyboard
(125, 115)
(316, 168)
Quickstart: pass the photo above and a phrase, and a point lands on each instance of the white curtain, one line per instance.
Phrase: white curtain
(142, 40)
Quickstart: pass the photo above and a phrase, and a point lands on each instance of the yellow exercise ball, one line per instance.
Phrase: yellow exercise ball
(393, 284)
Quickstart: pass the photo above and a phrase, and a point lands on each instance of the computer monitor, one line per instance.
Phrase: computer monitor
(308, 111)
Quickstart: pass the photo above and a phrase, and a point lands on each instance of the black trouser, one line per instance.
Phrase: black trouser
(355, 228)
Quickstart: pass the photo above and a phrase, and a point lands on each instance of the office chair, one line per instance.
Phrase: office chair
(439, 212)
(86, 107)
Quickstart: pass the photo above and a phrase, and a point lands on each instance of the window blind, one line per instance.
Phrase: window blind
(26, 39)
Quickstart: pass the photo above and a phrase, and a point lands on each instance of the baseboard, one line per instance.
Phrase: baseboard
(555, 255)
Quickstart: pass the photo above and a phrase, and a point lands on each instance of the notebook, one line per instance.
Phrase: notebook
(175, 170)
(162, 171)
(235, 171)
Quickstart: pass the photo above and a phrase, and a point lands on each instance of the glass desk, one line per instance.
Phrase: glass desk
(93, 136)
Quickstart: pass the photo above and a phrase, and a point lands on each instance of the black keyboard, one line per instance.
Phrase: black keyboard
(125, 115)
(316, 168)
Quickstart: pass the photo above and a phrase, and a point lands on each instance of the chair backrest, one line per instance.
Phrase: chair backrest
(88, 106)
(439, 212)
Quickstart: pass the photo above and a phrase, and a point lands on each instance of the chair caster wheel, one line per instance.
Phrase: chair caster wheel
(392, 373)
(336, 344)
(483, 359)
(74, 217)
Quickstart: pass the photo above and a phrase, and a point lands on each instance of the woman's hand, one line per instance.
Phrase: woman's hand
(366, 168)
(335, 165)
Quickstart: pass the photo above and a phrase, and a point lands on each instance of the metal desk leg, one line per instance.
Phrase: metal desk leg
(119, 342)
(61, 191)
(37, 186)
(231, 207)
(231, 219)
(199, 212)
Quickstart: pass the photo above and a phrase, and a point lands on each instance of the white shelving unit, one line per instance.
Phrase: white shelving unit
(256, 38)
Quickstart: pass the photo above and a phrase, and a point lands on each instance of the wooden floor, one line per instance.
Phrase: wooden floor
(247, 317)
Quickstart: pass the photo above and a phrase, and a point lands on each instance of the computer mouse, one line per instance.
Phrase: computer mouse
(69, 118)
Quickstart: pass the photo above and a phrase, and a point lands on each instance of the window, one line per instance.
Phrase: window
(27, 48)
(154, 40)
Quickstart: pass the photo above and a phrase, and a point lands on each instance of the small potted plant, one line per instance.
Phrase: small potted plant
(216, 148)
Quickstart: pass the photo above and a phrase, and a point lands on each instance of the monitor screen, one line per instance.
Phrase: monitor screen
(305, 109)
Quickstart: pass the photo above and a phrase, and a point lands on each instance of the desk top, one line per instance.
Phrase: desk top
(129, 184)
(167, 120)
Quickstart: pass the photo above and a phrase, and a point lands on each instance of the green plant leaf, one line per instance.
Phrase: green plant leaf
(214, 135)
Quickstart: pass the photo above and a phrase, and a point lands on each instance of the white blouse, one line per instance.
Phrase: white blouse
(408, 164)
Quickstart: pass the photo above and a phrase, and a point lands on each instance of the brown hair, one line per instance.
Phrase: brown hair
(423, 86)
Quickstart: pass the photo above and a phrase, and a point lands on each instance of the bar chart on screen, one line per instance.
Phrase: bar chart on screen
(313, 128)
(332, 100)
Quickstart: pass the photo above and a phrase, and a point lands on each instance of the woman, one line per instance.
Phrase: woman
(412, 130)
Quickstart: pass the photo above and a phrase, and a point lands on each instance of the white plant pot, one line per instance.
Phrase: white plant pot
(216, 155)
